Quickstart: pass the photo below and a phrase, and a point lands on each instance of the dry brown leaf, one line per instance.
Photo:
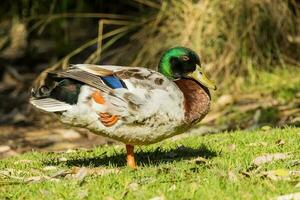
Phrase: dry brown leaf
(198, 160)
(61, 173)
(295, 173)
(269, 158)
(81, 174)
(172, 188)
(281, 174)
(49, 168)
(231, 147)
(280, 142)
(293, 163)
(35, 179)
(255, 144)
(10, 174)
(32, 179)
(100, 171)
(23, 161)
(275, 175)
(232, 176)
(82, 194)
(62, 159)
(133, 186)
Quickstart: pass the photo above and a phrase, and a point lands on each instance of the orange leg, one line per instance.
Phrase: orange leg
(130, 156)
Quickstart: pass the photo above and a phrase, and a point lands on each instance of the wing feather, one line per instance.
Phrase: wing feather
(84, 77)
(138, 100)
(50, 104)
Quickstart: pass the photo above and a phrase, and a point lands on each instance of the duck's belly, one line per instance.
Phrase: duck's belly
(142, 134)
(151, 130)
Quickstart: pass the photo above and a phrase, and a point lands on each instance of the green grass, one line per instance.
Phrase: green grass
(281, 84)
(274, 92)
(168, 169)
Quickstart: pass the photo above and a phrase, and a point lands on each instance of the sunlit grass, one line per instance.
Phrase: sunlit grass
(210, 167)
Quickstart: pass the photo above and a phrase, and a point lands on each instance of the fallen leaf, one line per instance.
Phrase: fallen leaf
(232, 176)
(133, 186)
(45, 192)
(23, 161)
(231, 147)
(81, 174)
(246, 174)
(280, 142)
(294, 173)
(82, 194)
(293, 163)
(62, 159)
(269, 158)
(172, 188)
(199, 160)
(279, 174)
(9, 173)
(263, 144)
(34, 179)
(61, 173)
(293, 196)
(49, 168)
(101, 171)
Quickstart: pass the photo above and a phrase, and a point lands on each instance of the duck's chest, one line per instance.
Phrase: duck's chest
(196, 100)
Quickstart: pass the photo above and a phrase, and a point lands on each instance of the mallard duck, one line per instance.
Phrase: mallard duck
(134, 105)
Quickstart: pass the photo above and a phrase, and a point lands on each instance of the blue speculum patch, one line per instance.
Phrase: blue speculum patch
(113, 82)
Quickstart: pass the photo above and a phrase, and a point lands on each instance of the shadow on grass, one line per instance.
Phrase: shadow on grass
(152, 158)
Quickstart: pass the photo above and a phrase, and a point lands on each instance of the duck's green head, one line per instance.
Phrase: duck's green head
(181, 62)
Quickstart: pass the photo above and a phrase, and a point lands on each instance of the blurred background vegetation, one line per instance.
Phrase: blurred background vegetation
(250, 47)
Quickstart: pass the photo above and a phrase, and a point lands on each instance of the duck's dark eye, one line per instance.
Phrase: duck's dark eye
(44, 90)
(185, 58)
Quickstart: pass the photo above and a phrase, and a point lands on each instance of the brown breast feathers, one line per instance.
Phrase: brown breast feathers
(196, 99)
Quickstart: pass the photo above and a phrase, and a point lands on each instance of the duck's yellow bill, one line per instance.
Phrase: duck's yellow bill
(200, 76)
